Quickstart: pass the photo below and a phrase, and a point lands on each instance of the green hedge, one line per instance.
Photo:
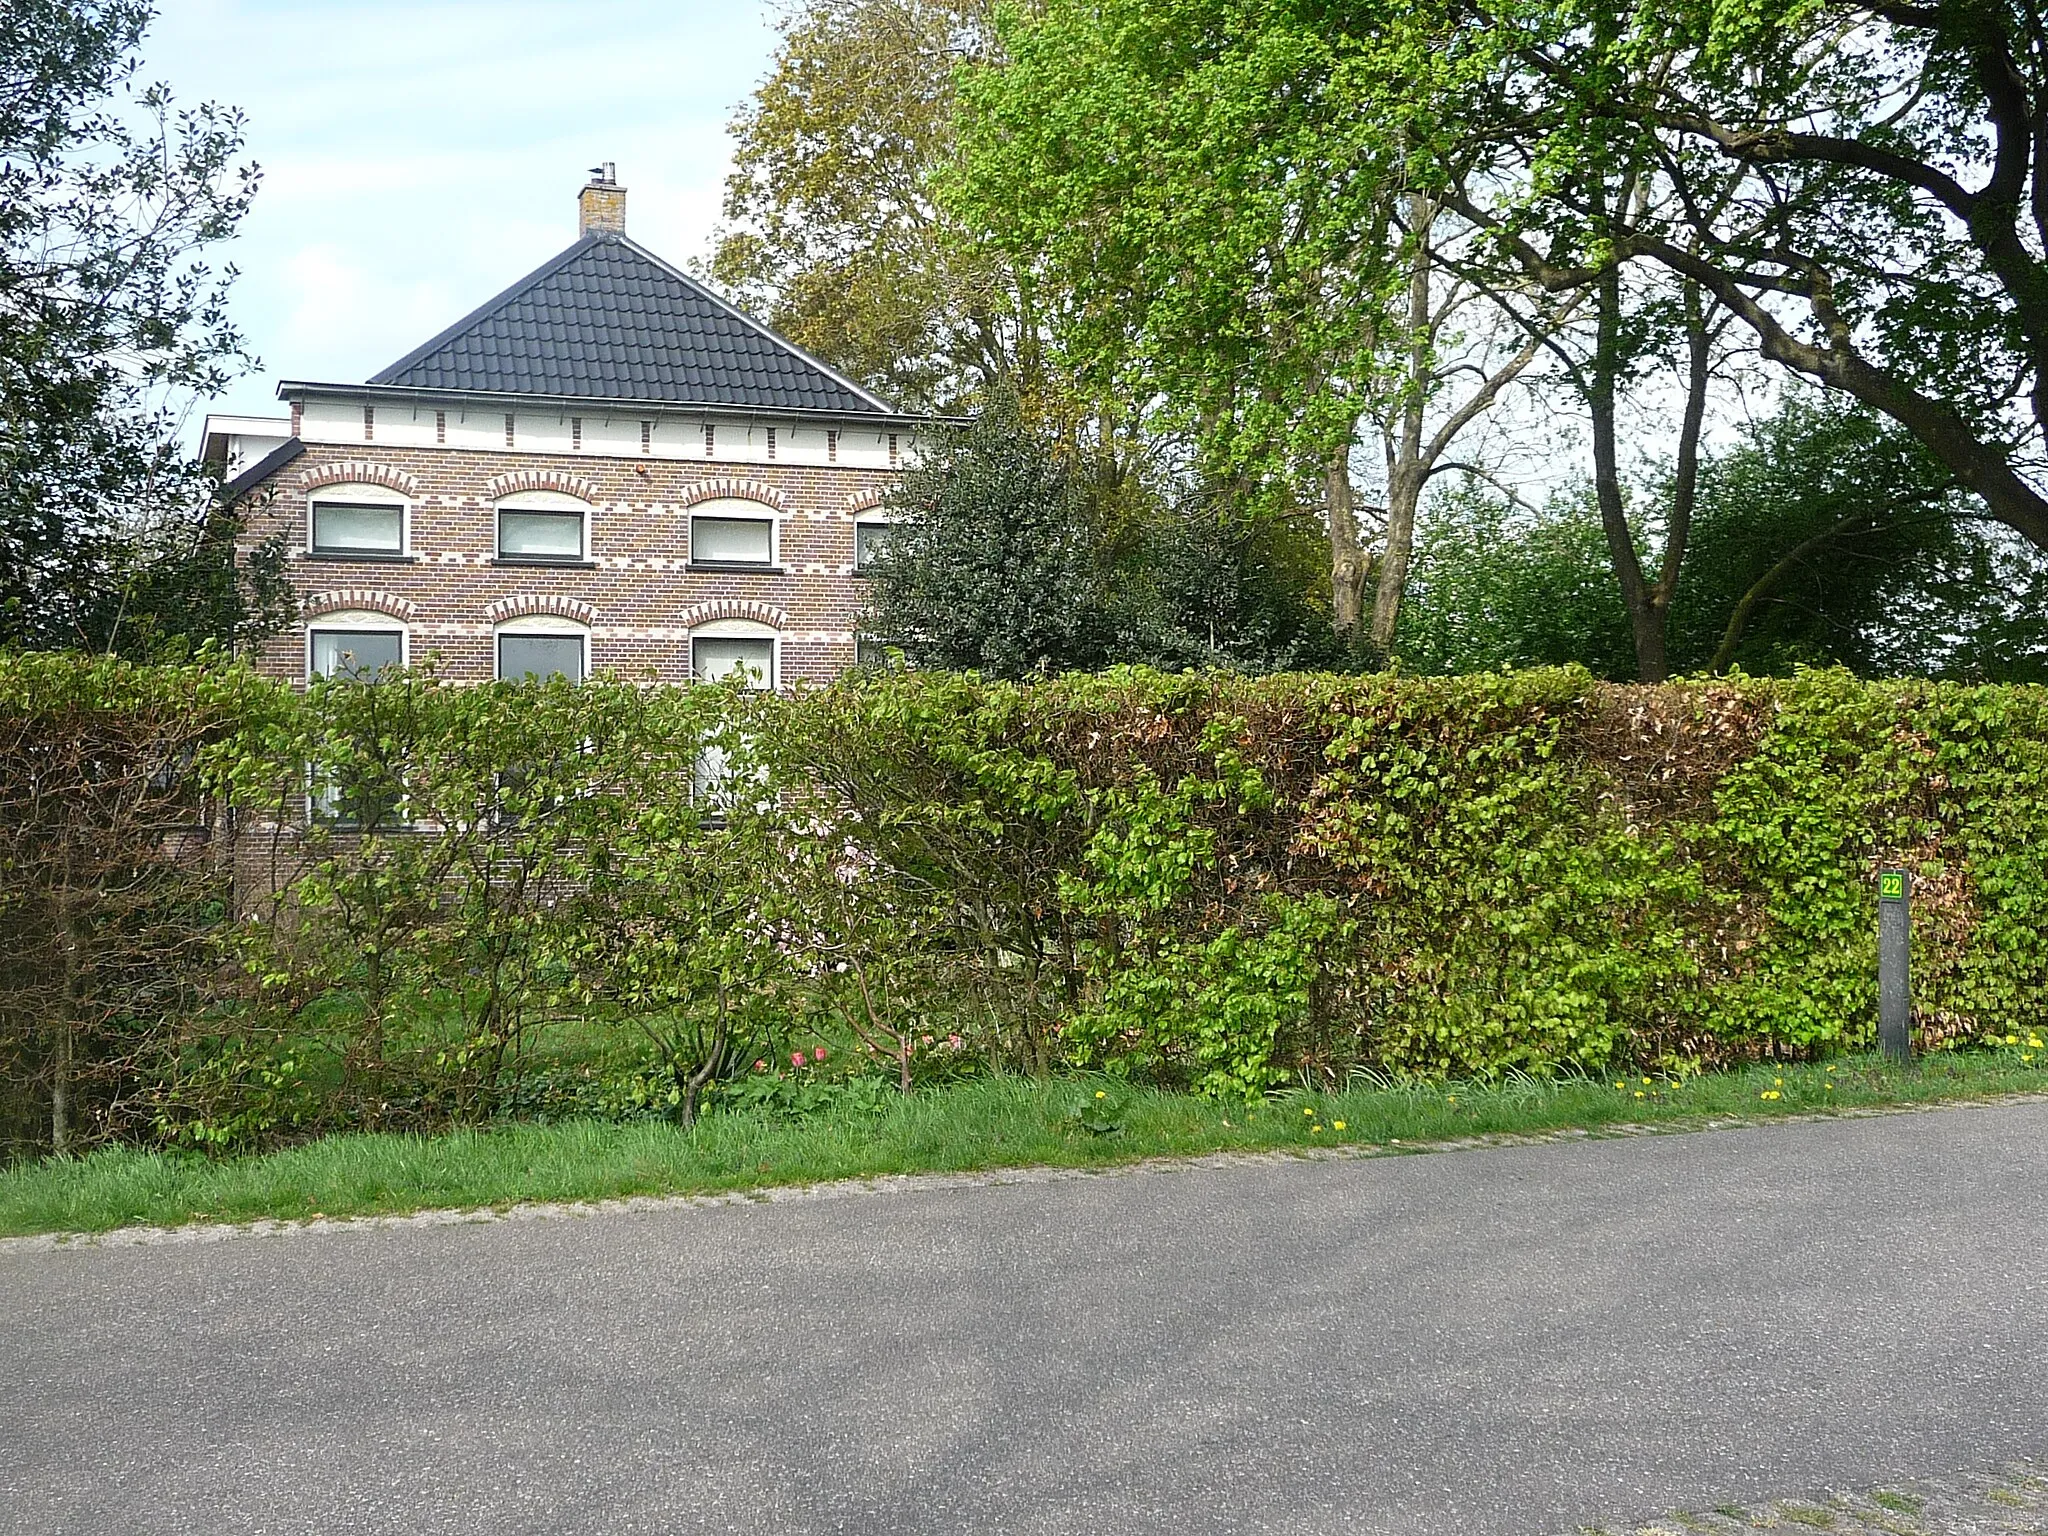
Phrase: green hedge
(1199, 880)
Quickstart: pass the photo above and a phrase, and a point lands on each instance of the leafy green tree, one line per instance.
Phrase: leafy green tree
(1006, 562)
(832, 227)
(995, 566)
(109, 318)
(1864, 188)
(1832, 536)
(1498, 587)
(1196, 179)
(1248, 253)
(1827, 537)
(1218, 588)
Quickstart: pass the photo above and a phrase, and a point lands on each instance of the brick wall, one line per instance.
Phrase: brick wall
(638, 599)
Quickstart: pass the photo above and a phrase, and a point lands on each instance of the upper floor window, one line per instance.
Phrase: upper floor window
(546, 527)
(731, 534)
(870, 538)
(543, 648)
(363, 520)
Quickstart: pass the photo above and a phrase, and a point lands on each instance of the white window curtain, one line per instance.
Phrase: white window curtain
(358, 527)
(732, 541)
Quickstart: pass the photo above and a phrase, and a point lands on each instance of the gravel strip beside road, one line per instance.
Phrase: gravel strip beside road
(2007, 1500)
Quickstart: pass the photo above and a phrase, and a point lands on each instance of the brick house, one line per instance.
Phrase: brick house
(605, 467)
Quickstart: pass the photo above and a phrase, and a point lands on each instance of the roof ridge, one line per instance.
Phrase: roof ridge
(629, 320)
(766, 330)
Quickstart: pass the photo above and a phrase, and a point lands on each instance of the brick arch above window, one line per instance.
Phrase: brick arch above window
(526, 605)
(743, 490)
(358, 598)
(734, 608)
(515, 481)
(870, 499)
(356, 472)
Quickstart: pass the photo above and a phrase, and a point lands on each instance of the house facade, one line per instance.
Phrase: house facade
(605, 468)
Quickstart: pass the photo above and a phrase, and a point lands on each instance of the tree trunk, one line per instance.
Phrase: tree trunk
(1410, 467)
(1347, 555)
(1404, 494)
(1645, 613)
(1685, 485)
(63, 1056)
(60, 1092)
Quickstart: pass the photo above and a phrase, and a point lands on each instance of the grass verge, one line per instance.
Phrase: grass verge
(980, 1124)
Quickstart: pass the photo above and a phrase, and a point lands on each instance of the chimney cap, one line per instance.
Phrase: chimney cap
(605, 175)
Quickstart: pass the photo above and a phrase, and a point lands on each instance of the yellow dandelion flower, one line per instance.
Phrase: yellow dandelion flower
(1315, 1130)
(1308, 1111)
(1337, 1125)
(1100, 1094)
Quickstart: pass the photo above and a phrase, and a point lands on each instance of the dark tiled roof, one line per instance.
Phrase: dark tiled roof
(606, 320)
(263, 468)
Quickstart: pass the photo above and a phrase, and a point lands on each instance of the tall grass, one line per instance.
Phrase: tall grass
(981, 1124)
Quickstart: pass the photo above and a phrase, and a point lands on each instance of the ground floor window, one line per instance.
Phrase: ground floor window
(875, 652)
(542, 654)
(720, 658)
(356, 790)
(357, 654)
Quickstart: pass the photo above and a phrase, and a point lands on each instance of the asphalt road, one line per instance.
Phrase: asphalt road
(1495, 1341)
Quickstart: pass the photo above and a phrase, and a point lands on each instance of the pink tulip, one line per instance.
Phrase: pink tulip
(760, 1066)
(796, 1058)
(819, 1053)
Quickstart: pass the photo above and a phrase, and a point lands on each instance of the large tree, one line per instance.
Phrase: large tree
(832, 224)
(1864, 187)
(111, 322)
(1248, 254)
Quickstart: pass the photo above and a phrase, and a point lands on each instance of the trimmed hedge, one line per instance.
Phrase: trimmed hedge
(1199, 880)
(1245, 877)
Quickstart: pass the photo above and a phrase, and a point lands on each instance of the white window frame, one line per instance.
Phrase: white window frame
(356, 621)
(741, 629)
(539, 626)
(869, 520)
(361, 495)
(738, 509)
(710, 780)
(321, 804)
(539, 501)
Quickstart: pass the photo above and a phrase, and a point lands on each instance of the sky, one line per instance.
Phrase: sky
(420, 155)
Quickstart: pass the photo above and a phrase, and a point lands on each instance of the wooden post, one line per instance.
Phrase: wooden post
(1894, 971)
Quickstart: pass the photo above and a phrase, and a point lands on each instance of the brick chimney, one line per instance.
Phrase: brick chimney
(601, 206)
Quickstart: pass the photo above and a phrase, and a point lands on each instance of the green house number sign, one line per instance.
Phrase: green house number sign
(1891, 885)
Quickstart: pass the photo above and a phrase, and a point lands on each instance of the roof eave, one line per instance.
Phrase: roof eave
(302, 389)
(263, 469)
